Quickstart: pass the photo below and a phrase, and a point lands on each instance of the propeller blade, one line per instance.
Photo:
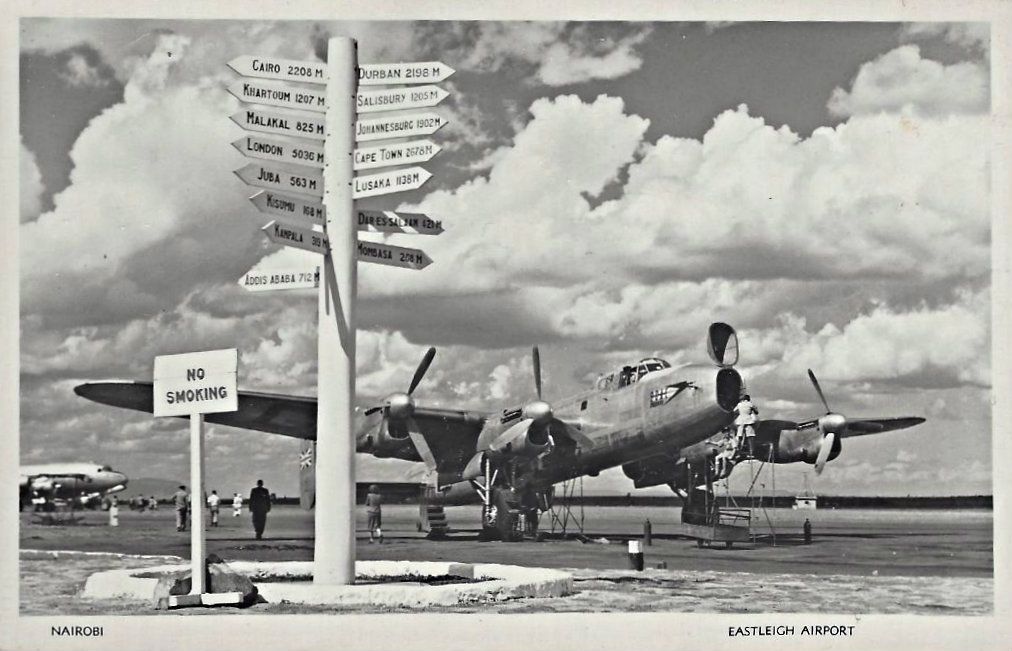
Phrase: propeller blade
(818, 390)
(824, 449)
(537, 370)
(422, 368)
(373, 410)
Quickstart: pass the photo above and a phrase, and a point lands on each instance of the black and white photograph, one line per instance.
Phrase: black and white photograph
(436, 330)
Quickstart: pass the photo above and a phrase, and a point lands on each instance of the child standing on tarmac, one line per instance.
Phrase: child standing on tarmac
(374, 509)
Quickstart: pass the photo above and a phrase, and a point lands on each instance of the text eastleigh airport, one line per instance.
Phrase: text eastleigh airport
(774, 631)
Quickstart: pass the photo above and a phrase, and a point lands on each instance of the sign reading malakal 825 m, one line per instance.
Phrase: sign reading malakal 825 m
(196, 383)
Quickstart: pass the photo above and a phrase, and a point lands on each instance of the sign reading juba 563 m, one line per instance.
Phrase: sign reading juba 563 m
(264, 176)
(196, 383)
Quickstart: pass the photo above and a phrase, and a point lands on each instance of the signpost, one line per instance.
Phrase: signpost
(280, 95)
(275, 178)
(194, 384)
(285, 124)
(284, 205)
(404, 153)
(313, 72)
(297, 236)
(396, 99)
(393, 256)
(284, 151)
(421, 72)
(386, 221)
(267, 280)
(373, 185)
(398, 126)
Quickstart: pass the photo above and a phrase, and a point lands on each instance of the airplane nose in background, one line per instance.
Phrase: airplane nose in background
(120, 478)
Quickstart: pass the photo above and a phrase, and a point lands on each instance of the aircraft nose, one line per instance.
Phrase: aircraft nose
(120, 478)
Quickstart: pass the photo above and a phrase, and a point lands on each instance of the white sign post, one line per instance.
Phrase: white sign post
(194, 384)
(334, 546)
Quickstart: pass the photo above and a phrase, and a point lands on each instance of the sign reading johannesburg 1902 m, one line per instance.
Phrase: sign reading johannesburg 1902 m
(196, 383)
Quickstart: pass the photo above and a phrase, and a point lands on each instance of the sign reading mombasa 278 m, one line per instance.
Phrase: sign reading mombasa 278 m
(196, 383)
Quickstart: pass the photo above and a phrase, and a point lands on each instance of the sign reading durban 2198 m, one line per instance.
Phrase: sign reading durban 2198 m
(196, 383)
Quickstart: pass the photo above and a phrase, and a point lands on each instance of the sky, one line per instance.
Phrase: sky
(607, 189)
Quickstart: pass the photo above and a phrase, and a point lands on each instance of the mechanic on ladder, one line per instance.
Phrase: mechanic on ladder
(747, 416)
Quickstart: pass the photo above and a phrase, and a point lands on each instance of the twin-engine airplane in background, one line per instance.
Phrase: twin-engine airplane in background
(661, 424)
(75, 482)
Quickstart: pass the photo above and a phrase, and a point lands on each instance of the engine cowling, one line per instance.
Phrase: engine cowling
(793, 446)
(651, 472)
(523, 439)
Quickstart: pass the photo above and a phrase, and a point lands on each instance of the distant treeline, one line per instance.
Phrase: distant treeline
(406, 493)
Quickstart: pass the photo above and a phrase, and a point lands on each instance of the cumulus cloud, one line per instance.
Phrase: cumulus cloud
(901, 80)
(974, 36)
(31, 187)
(78, 71)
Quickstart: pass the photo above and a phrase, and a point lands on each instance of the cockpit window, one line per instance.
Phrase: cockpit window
(105, 469)
(631, 374)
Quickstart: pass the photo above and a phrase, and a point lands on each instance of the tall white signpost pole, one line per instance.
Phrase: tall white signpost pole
(198, 551)
(334, 552)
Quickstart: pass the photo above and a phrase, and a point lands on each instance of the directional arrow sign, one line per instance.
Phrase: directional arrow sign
(415, 151)
(283, 205)
(264, 92)
(392, 256)
(274, 178)
(400, 126)
(396, 99)
(286, 124)
(301, 237)
(314, 72)
(372, 185)
(265, 280)
(386, 221)
(284, 151)
(422, 72)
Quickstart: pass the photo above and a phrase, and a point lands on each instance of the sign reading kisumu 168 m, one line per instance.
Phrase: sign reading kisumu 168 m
(196, 383)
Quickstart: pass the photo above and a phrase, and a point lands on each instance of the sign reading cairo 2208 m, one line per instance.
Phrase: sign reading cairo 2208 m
(196, 383)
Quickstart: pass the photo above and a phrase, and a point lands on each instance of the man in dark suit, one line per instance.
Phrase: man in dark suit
(259, 505)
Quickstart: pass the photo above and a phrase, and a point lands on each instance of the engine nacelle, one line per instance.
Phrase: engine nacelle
(524, 439)
(651, 472)
(793, 446)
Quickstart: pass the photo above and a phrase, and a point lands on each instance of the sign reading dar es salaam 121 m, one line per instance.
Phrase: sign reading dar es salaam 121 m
(196, 383)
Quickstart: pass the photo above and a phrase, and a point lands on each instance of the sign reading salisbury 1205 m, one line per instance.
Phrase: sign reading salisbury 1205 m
(196, 383)
(396, 99)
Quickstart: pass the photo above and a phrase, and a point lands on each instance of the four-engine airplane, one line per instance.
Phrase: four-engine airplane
(77, 482)
(661, 424)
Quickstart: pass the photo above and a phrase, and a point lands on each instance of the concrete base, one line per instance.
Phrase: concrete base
(291, 582)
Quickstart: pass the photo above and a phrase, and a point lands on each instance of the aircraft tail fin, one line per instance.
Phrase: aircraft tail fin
(307, 475)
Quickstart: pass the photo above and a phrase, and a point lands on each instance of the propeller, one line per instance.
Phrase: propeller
(401, 406)
(541, 413)
(831, 425)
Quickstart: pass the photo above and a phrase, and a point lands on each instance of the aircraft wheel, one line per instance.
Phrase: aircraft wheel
(506, 519)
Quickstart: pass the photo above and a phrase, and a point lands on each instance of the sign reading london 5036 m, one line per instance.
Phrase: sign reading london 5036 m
(196, 383)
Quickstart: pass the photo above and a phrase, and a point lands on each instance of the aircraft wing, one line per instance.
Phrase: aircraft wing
(293, 416)
(855, 426)
(445, 439)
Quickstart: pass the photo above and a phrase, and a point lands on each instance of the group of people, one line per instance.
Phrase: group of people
(739, 440)
(259, 506)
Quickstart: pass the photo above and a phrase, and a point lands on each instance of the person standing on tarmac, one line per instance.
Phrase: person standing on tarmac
(259, 505)
(212, 503)
(374, 510)
(236, 505)
(179, 500)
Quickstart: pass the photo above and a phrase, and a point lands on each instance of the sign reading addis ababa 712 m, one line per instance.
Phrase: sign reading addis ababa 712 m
(267, 280)
(283, 205)
(283, 151)
(196, 383)
(280, 95)
(313, 72)
(421, 72)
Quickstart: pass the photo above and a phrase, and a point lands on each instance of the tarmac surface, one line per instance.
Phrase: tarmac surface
(938, 562)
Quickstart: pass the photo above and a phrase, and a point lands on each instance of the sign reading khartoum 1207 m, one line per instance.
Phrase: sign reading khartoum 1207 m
(196, 383)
